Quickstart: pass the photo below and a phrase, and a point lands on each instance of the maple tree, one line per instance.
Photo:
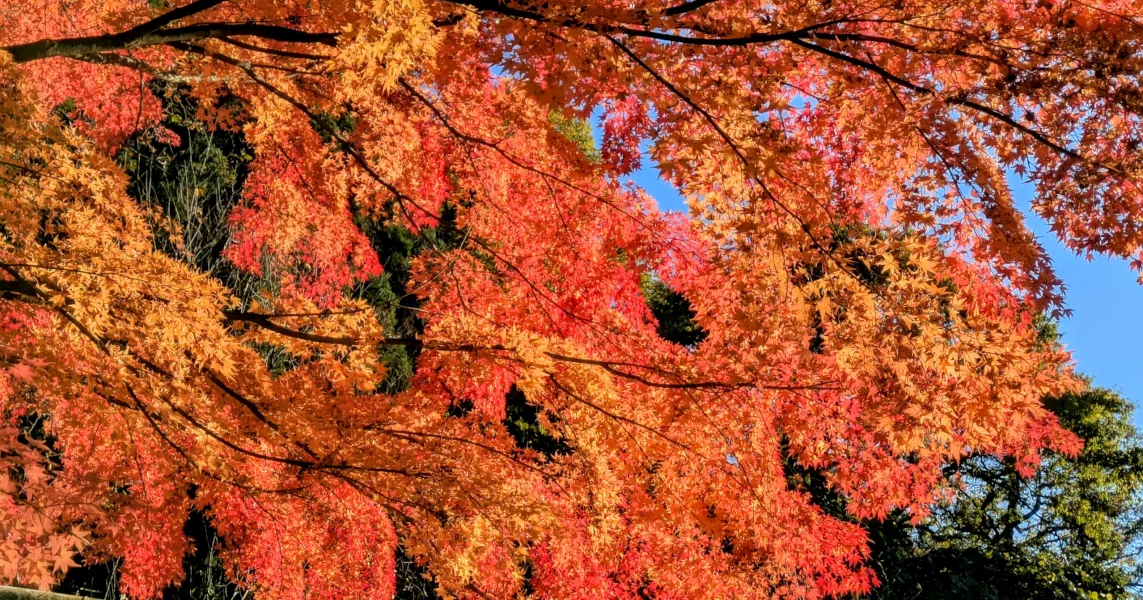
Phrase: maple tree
(864, 288)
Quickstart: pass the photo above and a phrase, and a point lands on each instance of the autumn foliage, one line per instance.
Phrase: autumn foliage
(866, 287)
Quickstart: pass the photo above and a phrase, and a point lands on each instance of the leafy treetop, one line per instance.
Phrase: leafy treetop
(864, 287)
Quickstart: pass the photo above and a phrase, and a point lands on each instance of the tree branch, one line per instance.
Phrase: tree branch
(173, 15)
(122, 60)
(73, 47)
(802, 37)
(686, 7)
(21, 287)
(955, 100)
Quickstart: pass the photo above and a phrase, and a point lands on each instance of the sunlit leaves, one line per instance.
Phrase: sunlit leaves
(463, 332)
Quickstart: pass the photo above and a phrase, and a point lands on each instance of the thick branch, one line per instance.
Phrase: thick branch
(21, 287)
(508, 10)
(265, 322)
(687, 7)
(156, 33)
(274, 51)
(171, 16)
(81, 46)
(130, 62)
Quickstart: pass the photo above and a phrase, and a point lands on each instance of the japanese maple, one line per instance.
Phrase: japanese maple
(867, 289)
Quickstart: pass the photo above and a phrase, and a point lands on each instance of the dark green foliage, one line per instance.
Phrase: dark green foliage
(278, 360)
(393, 302)
(523, 421)
(396, 308)
(1070, 531)
(413, 580)
(97, 581)
(206, 578)
(813, 482)
(65, 110)
(578, 131)
(192, 185)
(673, 311)
(1073, 530)
(330, 126)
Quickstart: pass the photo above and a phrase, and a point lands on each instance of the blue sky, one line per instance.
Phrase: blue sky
(1105, 331)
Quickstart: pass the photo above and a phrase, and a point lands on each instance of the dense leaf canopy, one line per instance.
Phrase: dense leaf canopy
(427, 319)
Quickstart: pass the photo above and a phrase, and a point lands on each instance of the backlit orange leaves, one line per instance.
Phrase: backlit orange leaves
(868, 290)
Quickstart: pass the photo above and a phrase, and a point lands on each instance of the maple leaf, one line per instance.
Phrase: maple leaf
(22, 371)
